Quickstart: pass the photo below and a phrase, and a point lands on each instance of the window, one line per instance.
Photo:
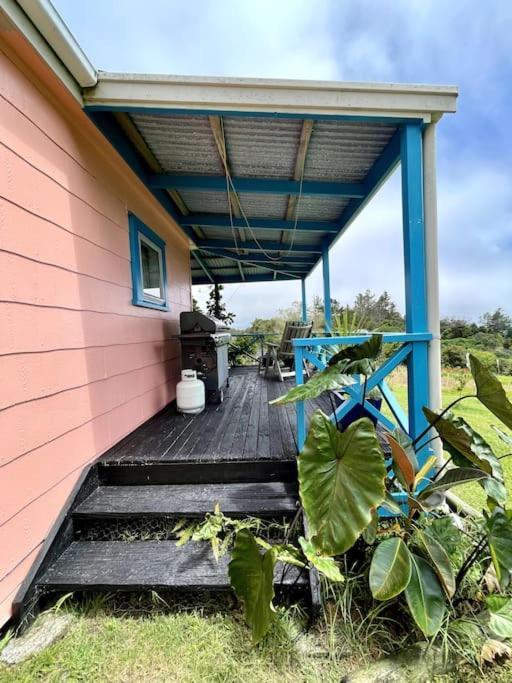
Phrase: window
(148, 266)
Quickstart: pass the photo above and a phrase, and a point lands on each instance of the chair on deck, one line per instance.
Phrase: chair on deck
(283, 353)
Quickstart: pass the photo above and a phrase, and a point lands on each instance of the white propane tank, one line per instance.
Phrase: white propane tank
(190, 393)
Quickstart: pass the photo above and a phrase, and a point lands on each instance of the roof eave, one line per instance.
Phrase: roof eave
(118, 91)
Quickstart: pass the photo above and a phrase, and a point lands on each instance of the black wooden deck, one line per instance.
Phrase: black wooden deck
(243, 427)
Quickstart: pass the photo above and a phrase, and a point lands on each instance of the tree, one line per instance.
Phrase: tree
(195, 305)
(456, 328)
(497, 322)
(377, 312)
(216, 307)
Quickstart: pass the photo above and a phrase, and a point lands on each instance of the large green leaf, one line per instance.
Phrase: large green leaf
(466, 446)
(500, 615)
(496, 492)
(490, 392)
(455, 477)
(390, 570)
(341, 478)
(330, 379)
(325, 565)
(425, 597)
(499, 540)
(360, 355)
(439, 560)
(252, 577)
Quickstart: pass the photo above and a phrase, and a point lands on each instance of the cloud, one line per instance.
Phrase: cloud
(365, 40)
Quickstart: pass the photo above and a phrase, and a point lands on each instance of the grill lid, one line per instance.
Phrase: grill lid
(195, 322)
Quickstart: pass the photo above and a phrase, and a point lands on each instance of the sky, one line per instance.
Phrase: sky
(464, 43)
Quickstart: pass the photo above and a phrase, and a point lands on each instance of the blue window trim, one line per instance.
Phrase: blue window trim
(137, 227)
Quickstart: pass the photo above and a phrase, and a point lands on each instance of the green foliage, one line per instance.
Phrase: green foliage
(325, 565)
(339, 486)
(453, 356)
(466, 446)
(425, 597)
(241, 349)
(490, 392)
(499, 540)
(342, 483)
(499, 615)
(390, 570)
(452, 478)
(216, 307)
(252, 576)
(438, 558)
(331, 379)
(351, 360)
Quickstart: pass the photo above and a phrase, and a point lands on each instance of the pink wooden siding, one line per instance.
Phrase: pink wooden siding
(80, 366)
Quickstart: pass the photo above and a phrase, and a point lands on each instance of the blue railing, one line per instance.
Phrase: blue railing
(413, 350)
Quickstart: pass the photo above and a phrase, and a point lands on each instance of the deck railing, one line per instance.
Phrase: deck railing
(412, 350)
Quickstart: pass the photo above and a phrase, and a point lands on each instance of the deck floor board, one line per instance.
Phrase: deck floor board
(243, 427)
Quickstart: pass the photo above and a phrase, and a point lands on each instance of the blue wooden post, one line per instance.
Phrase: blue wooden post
(415, 273)
(304, 315)
(299, 406)
(327, 287)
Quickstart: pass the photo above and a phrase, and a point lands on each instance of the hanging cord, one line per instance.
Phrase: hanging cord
(233, 191)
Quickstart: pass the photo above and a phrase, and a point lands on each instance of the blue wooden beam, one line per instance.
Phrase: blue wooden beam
(387, 337)
(278, 267)
(304, 304)
(177, 111)
(267, 245)
(415, 273)
(177, 181)
(230, 279)
(203, 266)
(124, 146)
(327, 287)
(223, 221)
(260, 258)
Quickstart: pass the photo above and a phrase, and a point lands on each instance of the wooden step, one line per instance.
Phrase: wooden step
(141, 565)
(187, 500)
(197, 472)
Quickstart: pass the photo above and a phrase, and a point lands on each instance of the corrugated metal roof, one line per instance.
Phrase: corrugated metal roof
(320, 208)
(182, 144)
(262, 147)
(344, 151)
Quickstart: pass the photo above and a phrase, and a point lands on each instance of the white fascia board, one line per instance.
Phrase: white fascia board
(50, 24)
(12, 18)
(260, 95)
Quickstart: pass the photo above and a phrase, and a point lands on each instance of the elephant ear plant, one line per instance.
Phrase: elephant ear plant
(345, 480)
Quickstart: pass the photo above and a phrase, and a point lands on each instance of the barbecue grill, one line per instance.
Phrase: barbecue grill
(204, 348)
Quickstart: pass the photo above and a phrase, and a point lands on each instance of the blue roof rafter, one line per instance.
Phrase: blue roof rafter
(203, 266)
(267, 245)
(261, 258)
(218, 220)
(259, 185)
(233, 279)
(274, 266)
(277, 268)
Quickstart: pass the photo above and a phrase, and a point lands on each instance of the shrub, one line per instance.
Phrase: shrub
(453, 356)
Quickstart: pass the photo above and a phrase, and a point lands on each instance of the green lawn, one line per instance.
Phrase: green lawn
(478, 417)
(185, 646)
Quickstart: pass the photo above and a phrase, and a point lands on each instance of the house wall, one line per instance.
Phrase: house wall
(80, 366)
